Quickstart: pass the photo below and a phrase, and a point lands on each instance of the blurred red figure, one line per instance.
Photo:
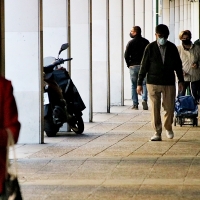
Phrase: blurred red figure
(8, 123)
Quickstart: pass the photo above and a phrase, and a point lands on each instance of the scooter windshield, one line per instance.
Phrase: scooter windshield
(49, 60)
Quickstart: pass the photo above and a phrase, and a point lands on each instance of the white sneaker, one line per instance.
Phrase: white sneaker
(169, 134)
(156, 138)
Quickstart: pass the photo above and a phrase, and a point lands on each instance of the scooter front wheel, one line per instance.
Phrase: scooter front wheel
(78, 125)
(50, 128)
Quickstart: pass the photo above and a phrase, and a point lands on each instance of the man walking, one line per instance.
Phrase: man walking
(133, 56)
(161, 59)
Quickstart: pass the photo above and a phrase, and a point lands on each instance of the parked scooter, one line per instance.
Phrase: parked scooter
(62, 101)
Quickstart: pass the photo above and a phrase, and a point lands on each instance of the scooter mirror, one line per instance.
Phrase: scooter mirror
(63, 47)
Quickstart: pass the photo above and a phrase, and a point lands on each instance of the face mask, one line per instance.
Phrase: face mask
(132, 36)
(162, 41)
(186, 42)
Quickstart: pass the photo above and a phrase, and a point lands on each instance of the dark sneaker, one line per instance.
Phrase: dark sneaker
(145, 106)
(135, 107)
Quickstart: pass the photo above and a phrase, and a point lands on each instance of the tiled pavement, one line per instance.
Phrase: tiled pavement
(113, 159)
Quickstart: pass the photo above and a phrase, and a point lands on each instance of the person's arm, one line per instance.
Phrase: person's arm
(127, 54)
(143, 71)
(178, 66)
(144, 67)
(179, 70)
(198, 56)
(9, 114)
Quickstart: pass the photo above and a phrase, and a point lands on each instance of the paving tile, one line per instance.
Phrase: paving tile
(167, 167)
(119, 192)
(158, 192)
(112, 159)
(191, 192)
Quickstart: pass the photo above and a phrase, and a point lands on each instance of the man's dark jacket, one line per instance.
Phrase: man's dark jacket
(134, 50)
(157, 72)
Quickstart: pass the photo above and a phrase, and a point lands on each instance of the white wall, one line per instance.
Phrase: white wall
(54, 27)
(55, 31)
(22, 64)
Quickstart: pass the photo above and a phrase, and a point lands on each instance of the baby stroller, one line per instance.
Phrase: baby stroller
(186, 111)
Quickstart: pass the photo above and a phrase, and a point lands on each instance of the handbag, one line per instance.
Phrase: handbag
(11, 185)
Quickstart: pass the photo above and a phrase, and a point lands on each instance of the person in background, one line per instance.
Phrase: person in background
(133, 56)
(190, 56)
(160, 62)
(8, 124)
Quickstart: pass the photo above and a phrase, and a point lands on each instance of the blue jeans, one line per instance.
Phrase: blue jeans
(134, 77)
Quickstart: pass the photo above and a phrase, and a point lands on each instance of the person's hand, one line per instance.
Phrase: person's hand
(139, 89)
(194, 65)
(180, 86)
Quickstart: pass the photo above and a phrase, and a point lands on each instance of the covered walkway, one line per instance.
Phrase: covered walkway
(113, 159)
(97, 32)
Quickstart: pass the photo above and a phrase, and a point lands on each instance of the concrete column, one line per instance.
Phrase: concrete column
(100, 55)
(172, 21)
(154, 18)
(189, 22)
(139, 17)
(195, 20)
(185, 14)
(181, 15)
(160, 11)
(2, 39)
(177, 22)
(149, 27)
(166, 13)
(128, 21)
(116, 50)
(139, 14)
(80, 50)
(23, 64)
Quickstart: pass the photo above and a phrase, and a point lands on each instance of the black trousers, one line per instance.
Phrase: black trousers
(194, 89)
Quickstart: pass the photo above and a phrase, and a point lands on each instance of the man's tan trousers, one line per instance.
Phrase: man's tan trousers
(167, 93)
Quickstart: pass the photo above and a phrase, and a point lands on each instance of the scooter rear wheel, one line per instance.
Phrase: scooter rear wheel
(50, 128)
(78, 126)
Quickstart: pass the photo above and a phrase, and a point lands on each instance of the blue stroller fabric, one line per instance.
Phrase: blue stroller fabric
(185, 105)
